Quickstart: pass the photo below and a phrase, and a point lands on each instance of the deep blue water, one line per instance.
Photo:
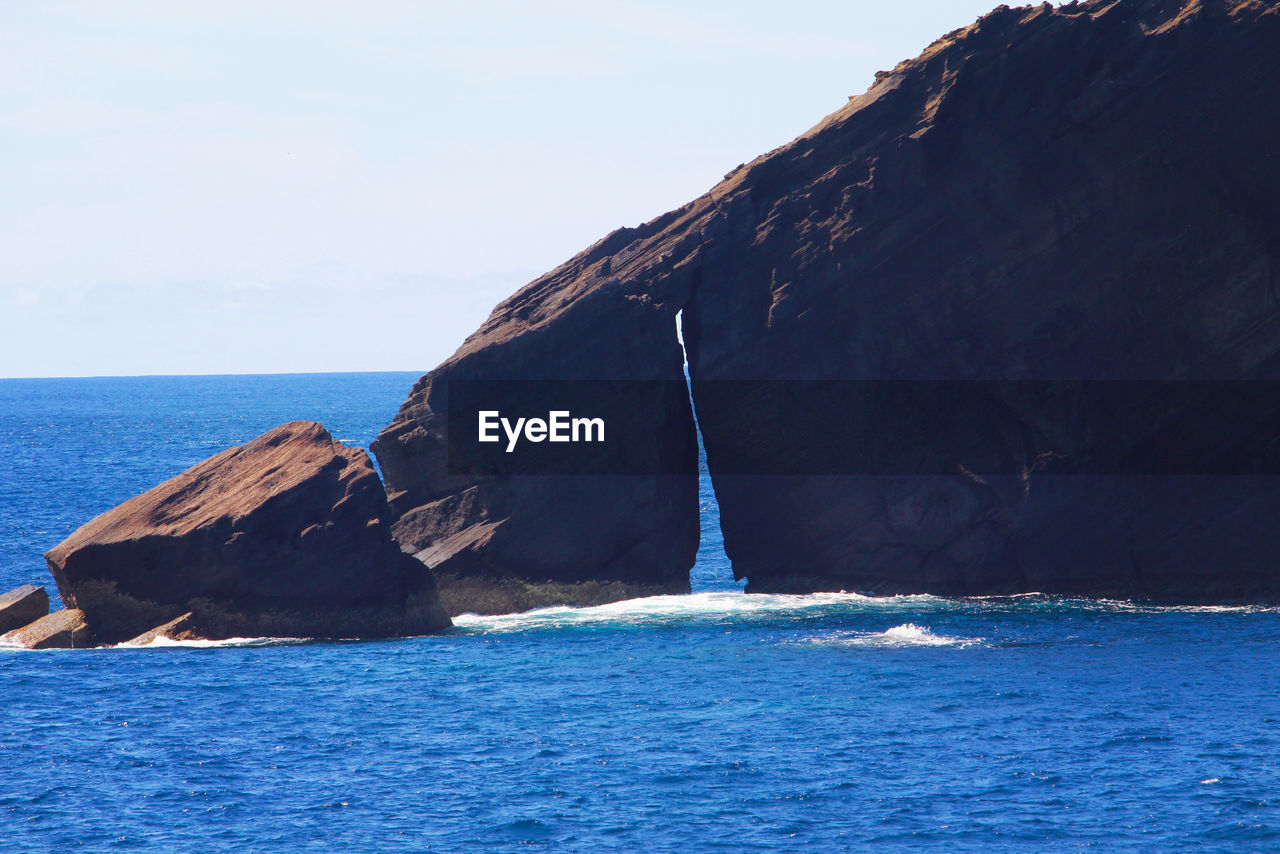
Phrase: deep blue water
(712, 722)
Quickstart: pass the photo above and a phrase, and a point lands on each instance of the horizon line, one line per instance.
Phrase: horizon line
(212, 374)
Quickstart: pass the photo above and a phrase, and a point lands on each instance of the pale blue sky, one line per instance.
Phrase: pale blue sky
(231, 187)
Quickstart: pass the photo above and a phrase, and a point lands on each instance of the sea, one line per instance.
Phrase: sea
(717, 721)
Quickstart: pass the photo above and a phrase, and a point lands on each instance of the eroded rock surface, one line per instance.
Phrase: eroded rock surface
(285, 536)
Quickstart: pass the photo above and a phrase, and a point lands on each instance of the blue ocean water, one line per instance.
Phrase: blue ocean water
(712, 722)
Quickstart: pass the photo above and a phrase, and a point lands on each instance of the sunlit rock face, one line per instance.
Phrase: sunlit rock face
(285, 536)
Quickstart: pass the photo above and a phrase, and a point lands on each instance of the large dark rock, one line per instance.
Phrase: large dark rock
(21, 606)
(287, 536)
(1082, 193)
(1090, 192)
(498, 542)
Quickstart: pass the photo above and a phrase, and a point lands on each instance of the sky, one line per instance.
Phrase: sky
(271, 186)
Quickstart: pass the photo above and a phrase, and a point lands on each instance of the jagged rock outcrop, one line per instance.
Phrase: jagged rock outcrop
(65, 629)
(500, 543)
(1083, 193)
(21, 606)
(287, 535)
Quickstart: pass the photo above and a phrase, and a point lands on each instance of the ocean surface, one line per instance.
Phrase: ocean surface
(711, 722)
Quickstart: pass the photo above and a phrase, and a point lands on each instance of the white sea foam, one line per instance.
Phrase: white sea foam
(657, 610)
(1211, 609)
(1139, 607)
(210, 644)
(1018, 601)
(735, 606)
(905, 635)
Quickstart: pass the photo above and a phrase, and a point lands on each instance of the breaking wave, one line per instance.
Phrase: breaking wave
(905, 635)
(736, 607)
(733, 607)
(719, 606)
(159, 642)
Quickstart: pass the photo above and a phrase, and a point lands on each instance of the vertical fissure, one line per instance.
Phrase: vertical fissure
(711, 570)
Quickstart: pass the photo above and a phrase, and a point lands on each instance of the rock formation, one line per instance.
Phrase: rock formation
(65, 629)
(1089, 192)
(286, 536)
(21, 606)
(1081, 193)
(498, 543)
(179, 628)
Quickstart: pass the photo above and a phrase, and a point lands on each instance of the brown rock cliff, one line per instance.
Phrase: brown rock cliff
(287, 535)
